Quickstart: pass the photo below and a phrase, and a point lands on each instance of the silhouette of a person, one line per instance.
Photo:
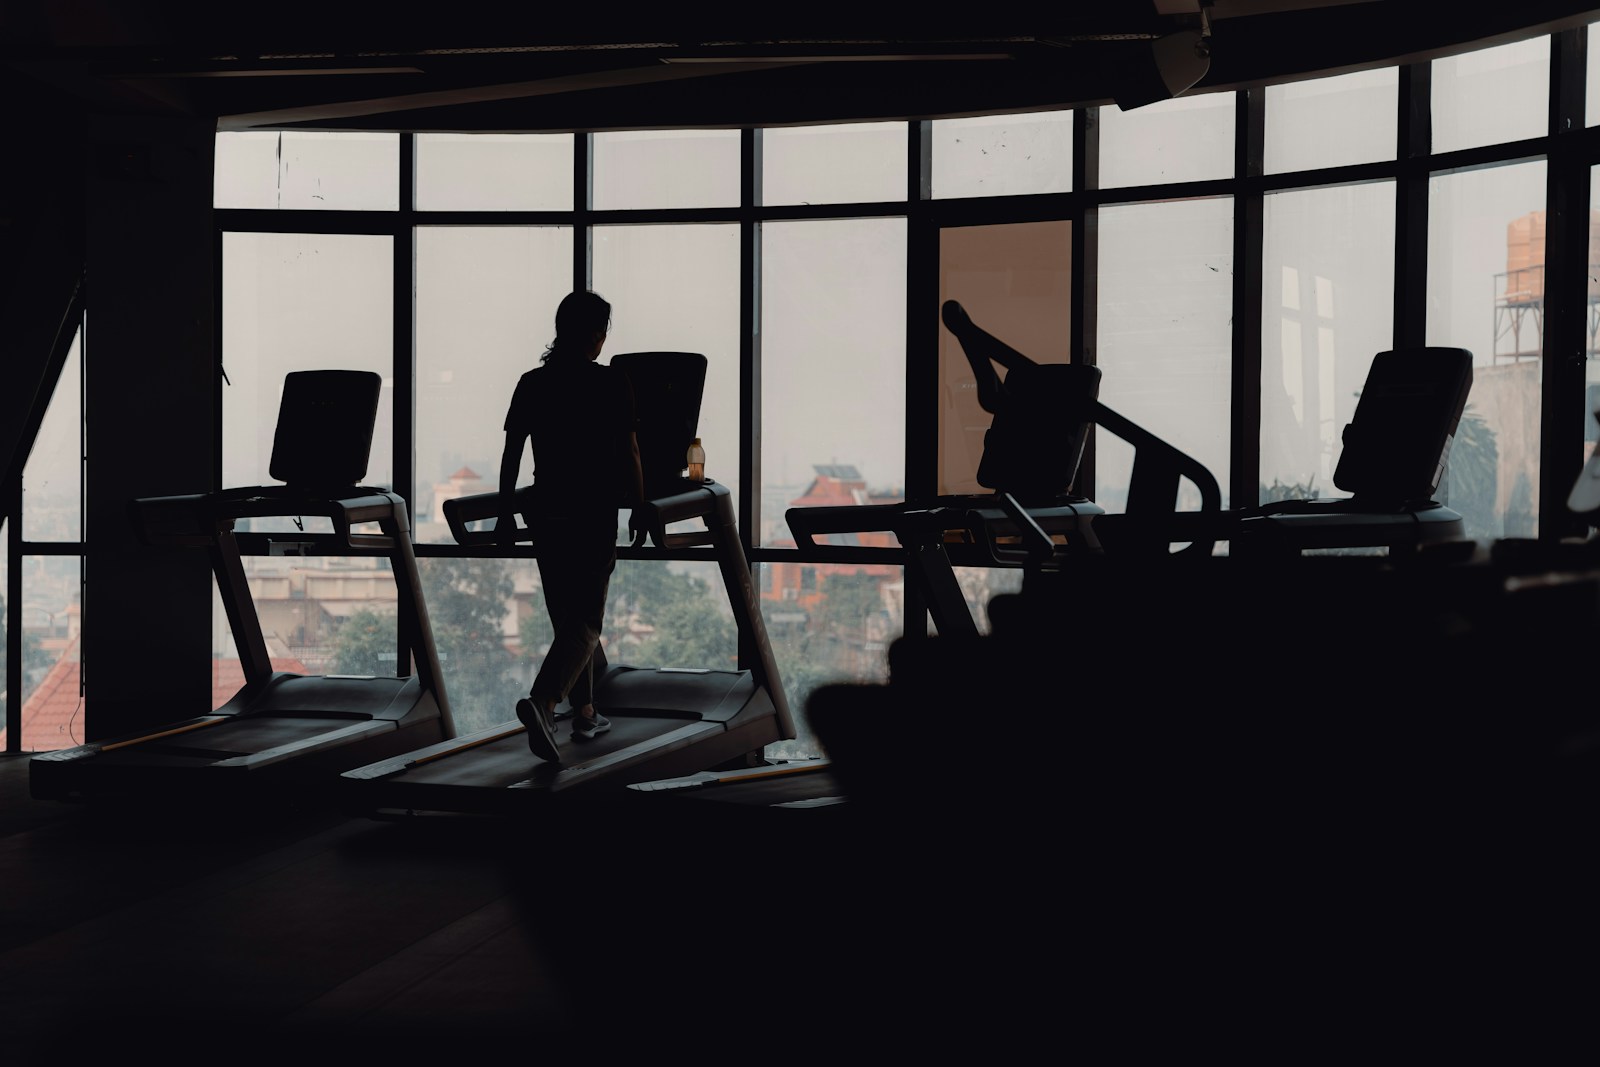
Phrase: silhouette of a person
(579, 416)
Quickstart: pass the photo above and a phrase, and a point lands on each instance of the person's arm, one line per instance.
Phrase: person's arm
(505, 526)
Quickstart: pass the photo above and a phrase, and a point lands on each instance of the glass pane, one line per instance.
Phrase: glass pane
(1491, 95)
(833, 342)
(666, 168)
(669, 614)
(315, 171)
(319, 615)
(297, 301)
(52, 697)
(485, 309)
(1165, 336)
(1591, 110)
(494, 172)
(477, 607)
(1016, 282)
(676, 289)
(980, 585)
(1332, 122)
(1182, 140)
(828, 622)
(1591, 364)
(857, 163)
(1001, 155)
(1326, 310)
(52, 480)
(1485, 230)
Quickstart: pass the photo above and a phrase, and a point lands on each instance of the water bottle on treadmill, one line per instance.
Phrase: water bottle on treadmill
(697, 461)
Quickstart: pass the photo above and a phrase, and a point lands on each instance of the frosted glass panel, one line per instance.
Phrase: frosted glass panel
(859, 163)
(1166, 335)
(301, 301)
(494, 172)
(1591, 110)
(1491, 96)
(1000, 155)
(1332, 122)
(1183, 140)
(666, 168)
(1326, 309)
(308, 171)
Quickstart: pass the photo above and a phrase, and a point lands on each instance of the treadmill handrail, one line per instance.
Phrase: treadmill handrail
(806, 523)
(1153, 488)
(694, 500)
(190, 518)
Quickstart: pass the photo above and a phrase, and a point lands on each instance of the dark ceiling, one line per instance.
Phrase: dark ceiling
(359, 66)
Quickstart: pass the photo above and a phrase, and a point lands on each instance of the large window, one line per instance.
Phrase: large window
(809, 287)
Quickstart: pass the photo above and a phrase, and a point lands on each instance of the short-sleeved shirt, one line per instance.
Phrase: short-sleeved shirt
(579, 415)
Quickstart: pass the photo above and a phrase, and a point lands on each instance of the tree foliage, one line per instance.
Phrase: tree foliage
(365, 644)
(466, 600)
(1471, 482)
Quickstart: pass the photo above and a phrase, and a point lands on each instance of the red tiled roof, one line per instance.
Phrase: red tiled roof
(465, 474)
(52, 716)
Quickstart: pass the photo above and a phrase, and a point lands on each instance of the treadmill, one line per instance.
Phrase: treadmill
(665, 720)
(281, 729)
(1395, 451)
(1032, 450)
(1031, 453)
(1394, 459)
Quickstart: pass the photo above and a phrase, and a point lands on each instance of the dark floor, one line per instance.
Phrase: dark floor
(280, 931)
(200, 927)
(1129, 894)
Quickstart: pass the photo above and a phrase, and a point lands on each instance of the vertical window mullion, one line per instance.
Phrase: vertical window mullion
(1414, 140)
(1085, 257)
(404, 414)
(1244, 475)
(750, 481)
(921, 474)
(1567, 237)
(582, 204)
(12, 517)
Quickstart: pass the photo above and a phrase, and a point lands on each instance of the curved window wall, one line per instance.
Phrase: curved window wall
(1231, 261)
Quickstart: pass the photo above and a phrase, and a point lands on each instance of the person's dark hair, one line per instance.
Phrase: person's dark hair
(579, 316)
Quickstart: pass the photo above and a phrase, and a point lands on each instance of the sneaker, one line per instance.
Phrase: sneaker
(541, 734)
(584, 728)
